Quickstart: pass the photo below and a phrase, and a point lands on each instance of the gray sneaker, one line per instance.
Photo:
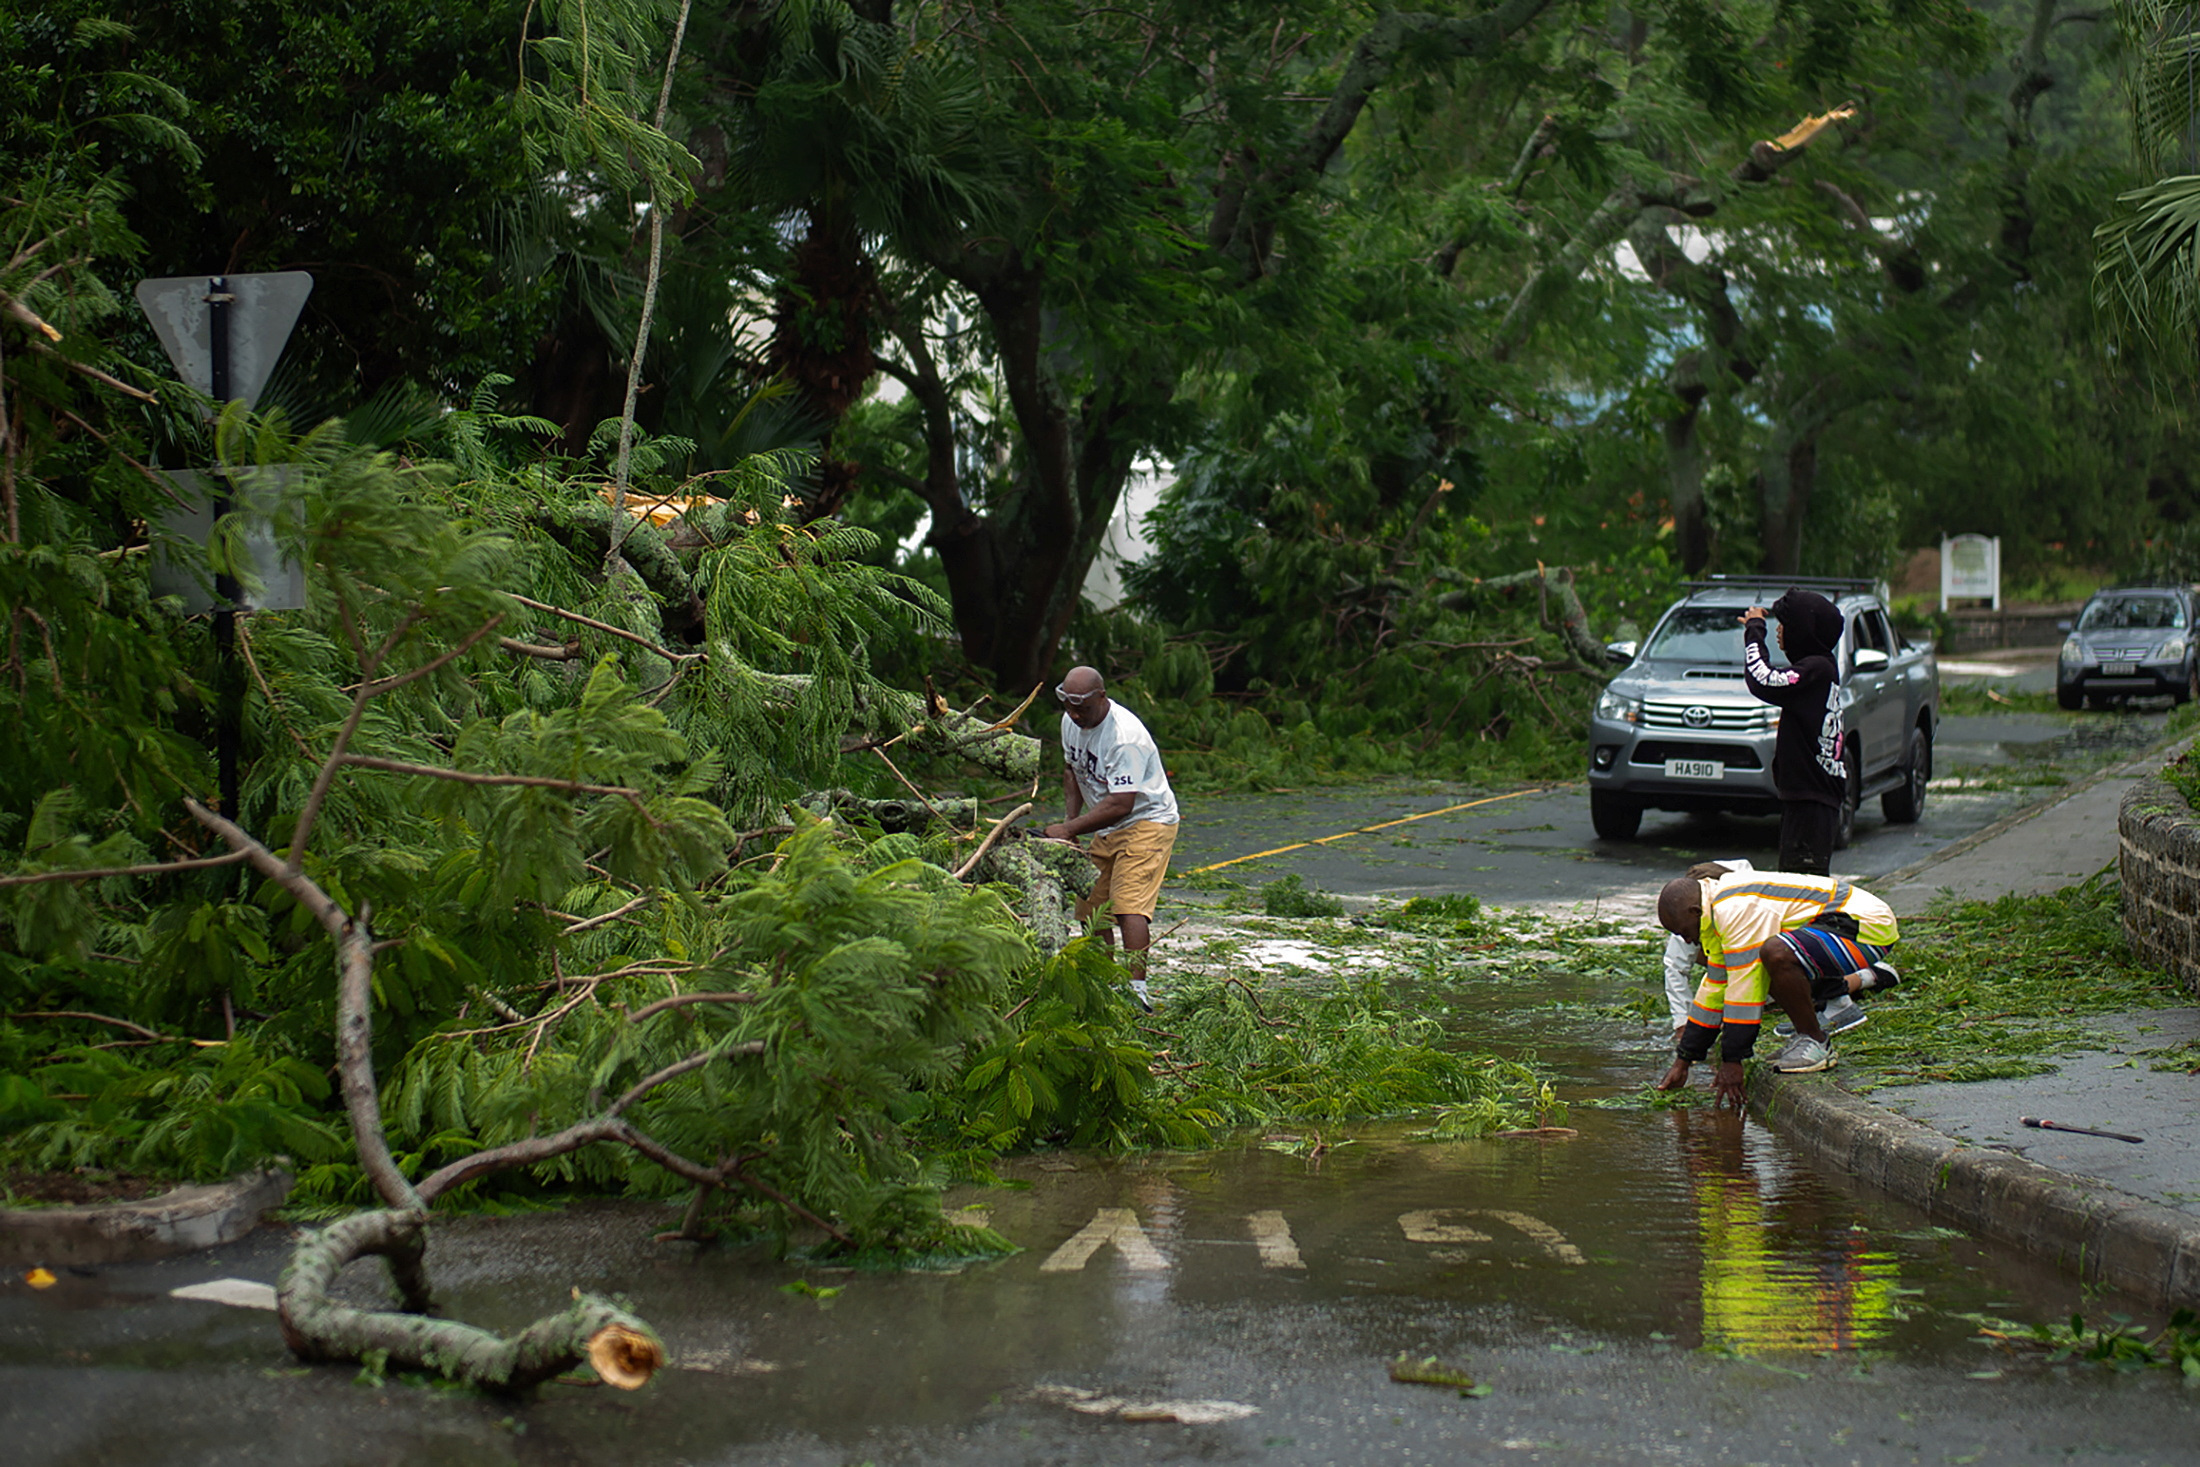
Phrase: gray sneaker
(1803, 1055)
(1837, 1015)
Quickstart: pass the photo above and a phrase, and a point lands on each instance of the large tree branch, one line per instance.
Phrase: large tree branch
(604, 626)
(1240, 207)
(1544, 284)
(102, 873)
(316, 1327)
(354, 999)
(941, 487)
(466, 776)
(1897, 258)
(1632, 204)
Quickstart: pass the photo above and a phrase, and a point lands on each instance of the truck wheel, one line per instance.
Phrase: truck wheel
(1615, 816)
(2069, 696)
(1844, 829)
(1905, 803)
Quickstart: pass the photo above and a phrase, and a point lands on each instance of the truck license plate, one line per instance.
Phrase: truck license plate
(2119, 669)
(1694, 769)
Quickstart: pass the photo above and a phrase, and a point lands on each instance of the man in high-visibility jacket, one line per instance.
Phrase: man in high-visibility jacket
(1774, 935)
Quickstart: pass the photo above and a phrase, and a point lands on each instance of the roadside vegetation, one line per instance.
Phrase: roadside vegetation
(1995, 990)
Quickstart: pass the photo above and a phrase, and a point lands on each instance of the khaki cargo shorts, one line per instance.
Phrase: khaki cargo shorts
(1132, 860)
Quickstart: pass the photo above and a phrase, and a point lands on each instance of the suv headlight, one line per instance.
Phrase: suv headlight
(1619, 708)
(2073, 650)
(2172, 650)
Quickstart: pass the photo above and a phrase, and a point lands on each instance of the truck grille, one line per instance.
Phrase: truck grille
(1656, 751)
(1724, 720)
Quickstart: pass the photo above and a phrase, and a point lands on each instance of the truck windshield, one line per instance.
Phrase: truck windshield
(1707, 634)
(2134, 614)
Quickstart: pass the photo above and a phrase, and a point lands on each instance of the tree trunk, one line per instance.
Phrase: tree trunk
(623, 1350)
(1015, 575)
(822, 339)
(1789, 475)
(1684, 464)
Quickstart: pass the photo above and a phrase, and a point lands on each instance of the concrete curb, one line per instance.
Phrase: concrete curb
(122, 1232)
(2099, 1233)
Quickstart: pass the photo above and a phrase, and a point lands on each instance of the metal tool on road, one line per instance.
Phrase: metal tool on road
(2039, 1125)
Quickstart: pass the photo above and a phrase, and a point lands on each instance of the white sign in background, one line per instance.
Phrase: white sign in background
(1970, 566)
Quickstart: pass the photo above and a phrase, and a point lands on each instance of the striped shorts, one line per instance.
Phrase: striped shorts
(1828, 957)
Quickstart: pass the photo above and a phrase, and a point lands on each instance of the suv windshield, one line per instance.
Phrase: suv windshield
(1706, 634)
(2134, 614)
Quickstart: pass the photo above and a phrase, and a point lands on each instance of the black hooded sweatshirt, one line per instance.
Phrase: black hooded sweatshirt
(1806, 753)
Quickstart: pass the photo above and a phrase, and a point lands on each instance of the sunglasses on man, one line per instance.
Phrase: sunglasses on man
(1074, 700)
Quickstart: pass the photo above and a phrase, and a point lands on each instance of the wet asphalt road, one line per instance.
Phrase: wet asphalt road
(1537, 848)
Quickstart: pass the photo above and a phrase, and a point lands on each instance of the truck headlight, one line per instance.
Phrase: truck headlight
(2073, 650)
(1619, 708)
(2172, 650)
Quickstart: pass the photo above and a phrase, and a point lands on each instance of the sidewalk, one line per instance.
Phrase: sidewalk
(2122, 1214)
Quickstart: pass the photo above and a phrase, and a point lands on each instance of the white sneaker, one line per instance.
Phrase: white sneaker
(1803, 1055)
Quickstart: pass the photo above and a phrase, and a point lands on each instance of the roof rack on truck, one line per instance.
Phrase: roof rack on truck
(1808, 583)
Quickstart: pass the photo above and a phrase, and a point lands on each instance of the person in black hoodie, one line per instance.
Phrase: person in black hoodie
(1807, 770)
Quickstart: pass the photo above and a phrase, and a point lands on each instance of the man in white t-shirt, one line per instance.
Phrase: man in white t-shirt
(1115, 790)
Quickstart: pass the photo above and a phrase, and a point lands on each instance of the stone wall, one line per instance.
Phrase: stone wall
(1980, 629)
(2158, 857)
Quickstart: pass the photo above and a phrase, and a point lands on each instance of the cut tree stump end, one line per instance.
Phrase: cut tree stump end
(624, 1357)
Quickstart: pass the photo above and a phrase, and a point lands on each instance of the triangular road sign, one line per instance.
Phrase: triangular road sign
(262, 312)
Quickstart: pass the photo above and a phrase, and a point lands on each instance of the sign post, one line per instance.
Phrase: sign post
(224, 333)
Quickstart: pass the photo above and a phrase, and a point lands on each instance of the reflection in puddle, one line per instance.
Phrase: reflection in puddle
(1767, 1284)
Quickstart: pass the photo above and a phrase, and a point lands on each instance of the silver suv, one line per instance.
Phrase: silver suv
(1678, 729)
(2130, 641)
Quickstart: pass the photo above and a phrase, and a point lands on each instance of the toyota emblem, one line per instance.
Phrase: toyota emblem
(1696, 717)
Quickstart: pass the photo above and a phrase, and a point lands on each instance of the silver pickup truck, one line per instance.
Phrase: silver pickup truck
(1677, 727)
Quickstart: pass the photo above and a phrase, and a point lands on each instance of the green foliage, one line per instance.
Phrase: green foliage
(1288, 897)
(866, 981)
(201, 1114)
(2183, 774)
(1081, 1068)
(1993, 990)
(2119, 1344)
(1282, 1054)
(1075, 1070)
(1453, 914)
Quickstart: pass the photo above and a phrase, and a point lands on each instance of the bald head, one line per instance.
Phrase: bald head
(1084, 696)
(1680, 907)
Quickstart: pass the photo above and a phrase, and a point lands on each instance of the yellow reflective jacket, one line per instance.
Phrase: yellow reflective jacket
(1744, 910)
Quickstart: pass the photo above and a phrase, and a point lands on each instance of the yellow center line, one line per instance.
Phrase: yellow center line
(1370, 829)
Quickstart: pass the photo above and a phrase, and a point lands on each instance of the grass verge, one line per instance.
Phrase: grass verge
(1995, 990)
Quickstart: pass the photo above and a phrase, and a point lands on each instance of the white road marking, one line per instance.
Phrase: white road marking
(1425, 1227)
(237, 1293)
(1117, 1225)
(1553, 1241)
(1428, 1226)
(1278, 1249)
